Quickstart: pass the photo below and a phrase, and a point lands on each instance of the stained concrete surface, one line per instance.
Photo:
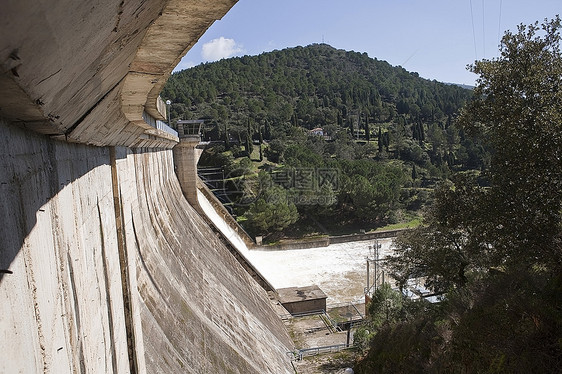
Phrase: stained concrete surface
(200, 310)
(62, 307)
(191, 307)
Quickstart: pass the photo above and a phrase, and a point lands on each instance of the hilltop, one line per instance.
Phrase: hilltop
(316, 85)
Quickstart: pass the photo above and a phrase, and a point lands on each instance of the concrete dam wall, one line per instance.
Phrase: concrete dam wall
(104, 265)
(105, 255)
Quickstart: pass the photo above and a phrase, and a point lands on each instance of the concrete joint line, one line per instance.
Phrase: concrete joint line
(123, 264)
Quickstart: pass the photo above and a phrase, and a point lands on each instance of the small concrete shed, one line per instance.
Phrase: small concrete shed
(299, 300)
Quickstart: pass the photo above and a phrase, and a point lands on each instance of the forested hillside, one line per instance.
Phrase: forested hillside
(315, 85)
(382, 136)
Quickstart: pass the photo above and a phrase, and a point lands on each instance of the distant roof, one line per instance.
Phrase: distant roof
(296, 294)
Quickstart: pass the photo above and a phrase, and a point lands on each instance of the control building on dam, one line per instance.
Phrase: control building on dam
(105, 267)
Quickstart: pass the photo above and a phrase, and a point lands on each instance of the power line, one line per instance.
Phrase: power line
(473, 30)
(500, 23)
(483, 31)
(408, 59)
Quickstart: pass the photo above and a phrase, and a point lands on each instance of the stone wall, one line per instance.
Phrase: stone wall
(383, 234)
(327, 240)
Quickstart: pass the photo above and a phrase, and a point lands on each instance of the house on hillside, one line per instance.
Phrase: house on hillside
(319, 131)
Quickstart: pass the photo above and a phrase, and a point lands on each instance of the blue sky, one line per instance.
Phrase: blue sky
(436, 38)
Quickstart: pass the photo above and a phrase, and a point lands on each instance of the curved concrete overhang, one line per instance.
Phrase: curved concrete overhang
(85, 71)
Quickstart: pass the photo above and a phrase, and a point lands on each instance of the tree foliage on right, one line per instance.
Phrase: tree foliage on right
(494, 249)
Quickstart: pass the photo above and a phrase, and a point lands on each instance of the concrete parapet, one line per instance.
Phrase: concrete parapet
(225, 215)
(87, 72)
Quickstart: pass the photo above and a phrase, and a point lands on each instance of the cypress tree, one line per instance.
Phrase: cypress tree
(367, 130)
(386, 140)
(226, 138)
(249, 145)
(261, 142)
(267, 130)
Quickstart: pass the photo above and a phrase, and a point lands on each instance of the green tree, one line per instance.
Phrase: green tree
(226, 137)
(350, 125)
(385, 306)
(275, 151)
(516, 222)
(249, 146)
(367, 129)
(442, 250)
(261, 145)
(373, 198)
(518, 111)
(272, 211)
(496, 251)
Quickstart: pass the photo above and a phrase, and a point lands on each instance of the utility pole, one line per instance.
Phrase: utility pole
(349, 315)
(376, 248)
(368, 288)
(375, 260)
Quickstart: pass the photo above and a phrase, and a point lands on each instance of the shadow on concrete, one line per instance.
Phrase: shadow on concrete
(33, 169)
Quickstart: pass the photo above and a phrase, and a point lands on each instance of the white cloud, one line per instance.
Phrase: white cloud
(220, 48)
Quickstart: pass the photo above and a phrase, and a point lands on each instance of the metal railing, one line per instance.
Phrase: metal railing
(157, 124)
(299, 354)
(331, 324)
(190, 128)
(161, 125)
(348, 304)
